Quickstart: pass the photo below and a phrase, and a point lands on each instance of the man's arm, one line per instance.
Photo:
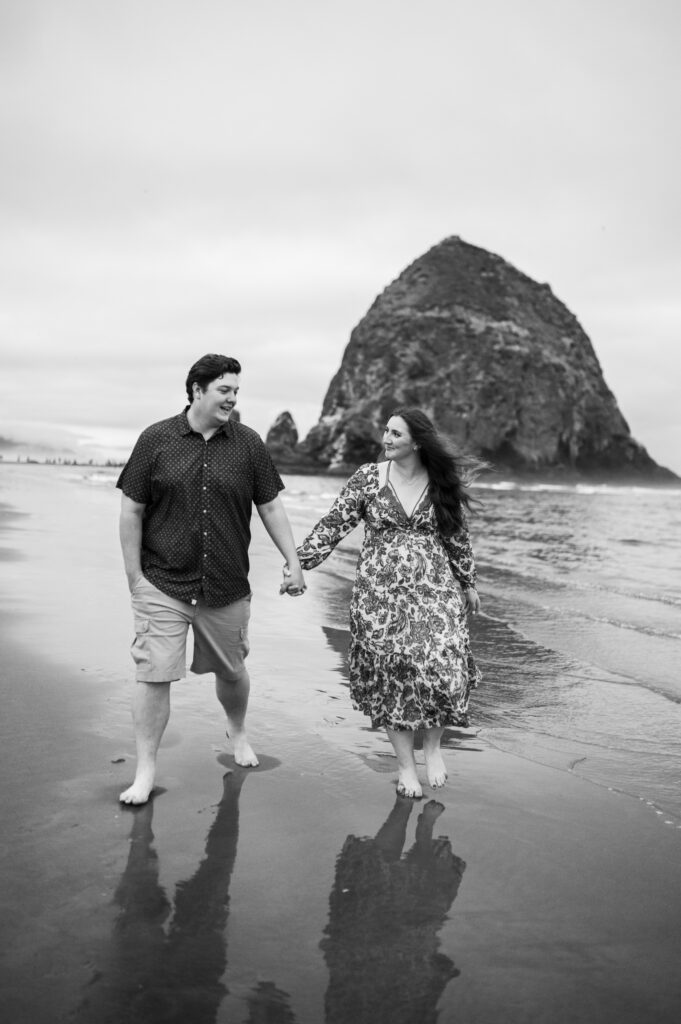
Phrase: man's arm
(275, 521)
(130, 533)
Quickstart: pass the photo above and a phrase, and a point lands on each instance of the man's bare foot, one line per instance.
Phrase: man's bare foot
(140, 791)
(408, 784)
(244, 754)
(435, 768)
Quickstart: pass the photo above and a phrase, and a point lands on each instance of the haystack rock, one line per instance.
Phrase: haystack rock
(499, 363)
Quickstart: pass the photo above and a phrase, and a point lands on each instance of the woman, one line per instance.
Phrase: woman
(410, 663)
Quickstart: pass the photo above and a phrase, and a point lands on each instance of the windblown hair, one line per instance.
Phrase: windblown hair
(447, 489)
(208, 368)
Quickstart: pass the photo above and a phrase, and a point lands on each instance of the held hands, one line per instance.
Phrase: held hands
(472, 600)
(292, 583)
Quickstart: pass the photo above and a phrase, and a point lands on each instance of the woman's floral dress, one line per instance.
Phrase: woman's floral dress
(410, 661)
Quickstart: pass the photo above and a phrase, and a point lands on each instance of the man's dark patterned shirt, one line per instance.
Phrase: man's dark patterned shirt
(198, 496)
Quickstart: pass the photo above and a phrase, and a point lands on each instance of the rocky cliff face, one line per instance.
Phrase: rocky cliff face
(497, 361)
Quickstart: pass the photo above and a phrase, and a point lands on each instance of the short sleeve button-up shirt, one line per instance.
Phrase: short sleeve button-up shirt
(199, 496)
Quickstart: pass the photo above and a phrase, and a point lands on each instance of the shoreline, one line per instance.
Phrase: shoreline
(663, 478)
(557, 899)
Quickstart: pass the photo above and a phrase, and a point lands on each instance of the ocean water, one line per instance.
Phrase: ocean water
(580, 637)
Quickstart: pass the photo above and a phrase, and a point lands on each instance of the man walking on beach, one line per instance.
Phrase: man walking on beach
(188, 491)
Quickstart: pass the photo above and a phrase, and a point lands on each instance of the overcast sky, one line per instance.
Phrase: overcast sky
(244, 176)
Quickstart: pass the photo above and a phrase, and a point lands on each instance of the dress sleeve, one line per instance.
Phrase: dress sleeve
(344, 515)
(460, 555)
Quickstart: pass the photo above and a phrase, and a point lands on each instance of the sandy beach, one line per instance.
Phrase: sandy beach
(302, 891)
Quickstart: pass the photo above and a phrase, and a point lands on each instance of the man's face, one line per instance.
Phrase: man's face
(215, 404)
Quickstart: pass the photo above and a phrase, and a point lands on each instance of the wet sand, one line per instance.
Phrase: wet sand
(303, 891)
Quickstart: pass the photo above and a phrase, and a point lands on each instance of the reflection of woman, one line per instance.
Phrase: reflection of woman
(381, 943)
(410, 662)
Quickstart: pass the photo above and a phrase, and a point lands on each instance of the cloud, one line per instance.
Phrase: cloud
(248, 177)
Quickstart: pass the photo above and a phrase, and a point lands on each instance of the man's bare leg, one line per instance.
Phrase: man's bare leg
(403, 745)
(233, 695)
(435, 766)
(150, 712)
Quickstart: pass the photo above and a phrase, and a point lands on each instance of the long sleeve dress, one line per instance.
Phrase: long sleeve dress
(410, 661)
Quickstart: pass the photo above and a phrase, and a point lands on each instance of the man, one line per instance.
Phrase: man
(188, 491)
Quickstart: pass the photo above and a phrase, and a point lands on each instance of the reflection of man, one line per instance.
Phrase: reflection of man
(188, 491)
(167, 958)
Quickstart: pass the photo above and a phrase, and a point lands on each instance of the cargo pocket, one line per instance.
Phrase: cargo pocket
(243, 636)
(140, 647)
(237, 640)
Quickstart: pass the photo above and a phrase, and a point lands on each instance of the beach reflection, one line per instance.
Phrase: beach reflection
(166, 960)
(381, 943)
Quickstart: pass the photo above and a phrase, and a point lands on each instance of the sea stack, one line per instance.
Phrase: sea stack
(500, 364)
(282, 440)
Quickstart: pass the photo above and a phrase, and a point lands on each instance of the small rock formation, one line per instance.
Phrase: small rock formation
(282, 440)
(498, 362)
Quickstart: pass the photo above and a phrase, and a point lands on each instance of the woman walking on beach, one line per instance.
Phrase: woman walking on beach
(411, 667)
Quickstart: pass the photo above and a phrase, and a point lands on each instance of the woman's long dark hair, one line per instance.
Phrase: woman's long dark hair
(447, 490)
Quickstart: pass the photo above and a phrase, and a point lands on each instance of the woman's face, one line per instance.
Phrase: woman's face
(397, 441)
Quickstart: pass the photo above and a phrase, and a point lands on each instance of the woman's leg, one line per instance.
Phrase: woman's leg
(435, 766)
(403, 744)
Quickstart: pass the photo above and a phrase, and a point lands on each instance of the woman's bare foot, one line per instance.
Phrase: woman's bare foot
(402, 741)
(141, 789)
(408, 784)
(435, 768)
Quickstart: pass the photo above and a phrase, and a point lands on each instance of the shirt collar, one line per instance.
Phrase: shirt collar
(184, 428)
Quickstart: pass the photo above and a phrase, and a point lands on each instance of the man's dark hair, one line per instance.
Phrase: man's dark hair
(208, 368)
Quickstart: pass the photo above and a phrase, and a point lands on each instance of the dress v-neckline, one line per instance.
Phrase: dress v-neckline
(408, 515)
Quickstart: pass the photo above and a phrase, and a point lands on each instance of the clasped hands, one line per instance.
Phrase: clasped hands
(293, 583)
